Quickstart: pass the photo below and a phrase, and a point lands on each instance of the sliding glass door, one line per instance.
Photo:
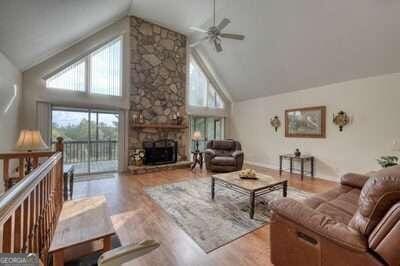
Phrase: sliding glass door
(90, 138)
(209, 127)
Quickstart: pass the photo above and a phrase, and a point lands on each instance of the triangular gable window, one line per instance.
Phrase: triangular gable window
(70, 78)
(99, 72)
(202, 93)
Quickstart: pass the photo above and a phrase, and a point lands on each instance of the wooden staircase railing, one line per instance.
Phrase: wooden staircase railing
(29, 210)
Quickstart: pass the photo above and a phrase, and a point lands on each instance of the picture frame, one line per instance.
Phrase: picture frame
(309, 122)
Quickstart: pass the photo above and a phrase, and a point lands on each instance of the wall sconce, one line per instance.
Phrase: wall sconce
(341, 119)
(275, 123)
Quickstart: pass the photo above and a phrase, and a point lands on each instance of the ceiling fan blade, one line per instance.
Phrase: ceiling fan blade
(223, 24)
(232, 36)
(198, 42)
(218, 46)
(198, 29)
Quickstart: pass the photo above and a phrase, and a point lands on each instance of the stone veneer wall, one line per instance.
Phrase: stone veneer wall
(158, 82)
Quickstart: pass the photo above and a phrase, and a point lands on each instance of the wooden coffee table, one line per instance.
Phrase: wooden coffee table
(252, 188)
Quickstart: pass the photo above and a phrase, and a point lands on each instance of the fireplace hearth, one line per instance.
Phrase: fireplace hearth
(160, 152)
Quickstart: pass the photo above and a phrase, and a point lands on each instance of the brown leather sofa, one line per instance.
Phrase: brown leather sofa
(224, 156)
(356, 223)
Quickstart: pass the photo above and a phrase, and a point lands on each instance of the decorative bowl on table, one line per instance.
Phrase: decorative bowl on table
(248, 174)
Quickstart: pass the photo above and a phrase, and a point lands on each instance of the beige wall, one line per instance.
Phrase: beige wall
(10, 95)
(34, 85)
(372, 103)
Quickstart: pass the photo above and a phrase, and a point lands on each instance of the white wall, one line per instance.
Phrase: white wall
(10, 95)
(36, 91)
(372, 103)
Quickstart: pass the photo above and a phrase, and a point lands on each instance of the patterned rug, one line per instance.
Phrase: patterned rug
(212, 224)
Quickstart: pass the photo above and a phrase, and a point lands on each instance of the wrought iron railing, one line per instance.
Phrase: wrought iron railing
(83, 151)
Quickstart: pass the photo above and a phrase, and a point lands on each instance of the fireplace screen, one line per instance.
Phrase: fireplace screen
(160, 152)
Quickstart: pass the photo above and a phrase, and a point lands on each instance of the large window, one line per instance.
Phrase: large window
(210, 128)
(201, 92)
(100, 72)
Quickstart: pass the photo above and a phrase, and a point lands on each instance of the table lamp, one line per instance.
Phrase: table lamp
(197, 137)
(30, 140)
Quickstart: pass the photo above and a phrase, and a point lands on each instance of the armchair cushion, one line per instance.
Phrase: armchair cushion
(224, 160)
(378, 195)
(223, 145)
(320, 224)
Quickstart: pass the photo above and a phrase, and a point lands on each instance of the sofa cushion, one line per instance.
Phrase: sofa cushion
(339, 203)
(378, 195)
(223, 160)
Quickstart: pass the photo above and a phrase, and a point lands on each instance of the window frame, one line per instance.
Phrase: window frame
(87, 75)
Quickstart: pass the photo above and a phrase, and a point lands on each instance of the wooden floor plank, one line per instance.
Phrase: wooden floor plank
(136, 217)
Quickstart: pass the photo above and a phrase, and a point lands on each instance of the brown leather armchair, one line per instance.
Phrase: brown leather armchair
(356, 223)
(224, 156)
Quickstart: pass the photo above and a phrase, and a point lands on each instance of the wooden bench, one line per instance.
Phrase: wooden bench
(81, 221)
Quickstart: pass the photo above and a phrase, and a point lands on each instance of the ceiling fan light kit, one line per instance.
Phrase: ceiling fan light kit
(214, 33)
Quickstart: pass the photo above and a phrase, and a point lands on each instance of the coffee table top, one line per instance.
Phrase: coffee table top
(262, 182)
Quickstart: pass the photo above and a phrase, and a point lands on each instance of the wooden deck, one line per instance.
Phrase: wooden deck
(95, 167)
(136, 217)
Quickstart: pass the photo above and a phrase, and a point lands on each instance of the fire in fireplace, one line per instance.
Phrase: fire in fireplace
(160, 152)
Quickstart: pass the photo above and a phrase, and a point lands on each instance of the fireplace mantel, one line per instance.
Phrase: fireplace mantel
(159, 126)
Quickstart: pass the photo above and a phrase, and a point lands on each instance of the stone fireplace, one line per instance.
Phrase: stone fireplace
(158, 86)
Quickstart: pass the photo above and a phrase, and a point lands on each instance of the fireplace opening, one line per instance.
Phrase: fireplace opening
(158, 152)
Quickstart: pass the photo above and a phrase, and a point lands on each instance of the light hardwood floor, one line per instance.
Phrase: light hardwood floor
(136, 217)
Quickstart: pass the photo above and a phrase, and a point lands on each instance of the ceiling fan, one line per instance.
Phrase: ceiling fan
(214, 33)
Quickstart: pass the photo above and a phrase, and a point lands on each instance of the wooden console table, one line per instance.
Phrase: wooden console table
(81, 221)
(302, 159)
(197, 159)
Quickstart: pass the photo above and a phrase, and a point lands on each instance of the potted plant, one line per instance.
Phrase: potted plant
(388, 161)
(137, 157)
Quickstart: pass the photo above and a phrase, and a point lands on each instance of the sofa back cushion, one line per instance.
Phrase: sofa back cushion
(377, 196)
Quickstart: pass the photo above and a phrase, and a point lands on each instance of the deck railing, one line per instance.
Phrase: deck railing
(100, 150)
(29, 210)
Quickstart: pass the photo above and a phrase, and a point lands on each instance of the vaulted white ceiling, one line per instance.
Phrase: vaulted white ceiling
(289, 45)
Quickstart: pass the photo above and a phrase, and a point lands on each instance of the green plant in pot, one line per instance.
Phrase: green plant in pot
(388, 161)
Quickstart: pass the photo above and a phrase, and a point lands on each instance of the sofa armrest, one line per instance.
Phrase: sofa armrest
(320, 224)
(210, 153)
(354, 180)
(236, 154)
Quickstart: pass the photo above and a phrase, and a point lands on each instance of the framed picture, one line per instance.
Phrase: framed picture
(307, 122)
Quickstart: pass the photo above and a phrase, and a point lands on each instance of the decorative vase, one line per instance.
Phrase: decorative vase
(138, 163)
(297, 153)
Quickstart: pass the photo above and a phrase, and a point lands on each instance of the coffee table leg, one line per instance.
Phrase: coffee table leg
(252, 204)
(212, 187)
(284, 189)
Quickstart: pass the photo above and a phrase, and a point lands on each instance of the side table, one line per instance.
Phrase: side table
(302, 159)
(68, 181)
(197, 159)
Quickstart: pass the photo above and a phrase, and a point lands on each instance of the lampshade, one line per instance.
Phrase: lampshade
(30, 140)
(197, 135)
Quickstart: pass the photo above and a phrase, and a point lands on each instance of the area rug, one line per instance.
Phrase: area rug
(212, 224)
